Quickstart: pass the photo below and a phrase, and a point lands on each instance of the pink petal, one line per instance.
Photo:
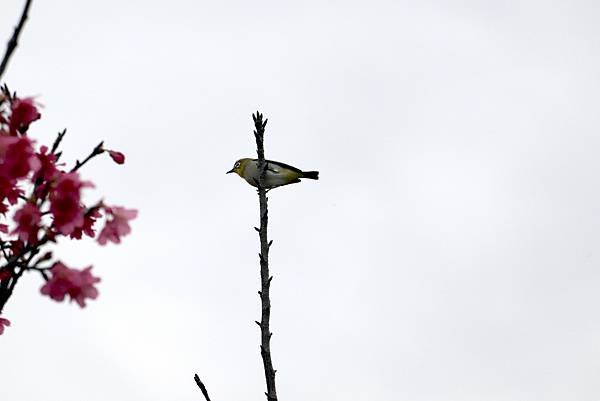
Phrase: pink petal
(118, 157)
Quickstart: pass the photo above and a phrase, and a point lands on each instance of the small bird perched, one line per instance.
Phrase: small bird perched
(277, 173)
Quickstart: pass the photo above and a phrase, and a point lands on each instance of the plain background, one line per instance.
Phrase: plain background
(449, 251)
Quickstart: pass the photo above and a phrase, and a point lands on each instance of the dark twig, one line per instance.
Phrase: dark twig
(7, 286)
(14, 40)
(99, 149)
(58, 140)
(202, 387)
(265, 346)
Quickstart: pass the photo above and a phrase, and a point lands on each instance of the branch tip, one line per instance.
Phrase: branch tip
(57, 141)
(202, 387)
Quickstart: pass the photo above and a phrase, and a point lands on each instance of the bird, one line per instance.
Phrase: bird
(277, 174)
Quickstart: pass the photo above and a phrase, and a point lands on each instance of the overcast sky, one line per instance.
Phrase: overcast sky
(449, 251)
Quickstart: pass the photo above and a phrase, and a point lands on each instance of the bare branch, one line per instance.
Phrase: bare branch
(14, 40)
(265, 278)
(99, 149)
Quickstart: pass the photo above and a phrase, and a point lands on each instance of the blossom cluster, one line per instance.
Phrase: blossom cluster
(40, 201)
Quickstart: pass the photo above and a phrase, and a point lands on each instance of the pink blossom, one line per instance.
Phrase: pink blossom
(65, 203)
(78, 284)
(88, 224)
(5, 274)
(8, 191)
(117, 224)
(3, 323)
(27, 219)
(16, 160)
(3, 228)
(17, 157)
(47, 165)
(118, 157)
(23, 113)
(16, 246)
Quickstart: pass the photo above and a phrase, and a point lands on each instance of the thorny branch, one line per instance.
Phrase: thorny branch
(265, 278)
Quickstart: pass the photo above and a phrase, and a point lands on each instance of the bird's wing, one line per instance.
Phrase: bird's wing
(272, 166)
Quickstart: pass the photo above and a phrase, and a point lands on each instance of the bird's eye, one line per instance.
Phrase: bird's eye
(237, 164)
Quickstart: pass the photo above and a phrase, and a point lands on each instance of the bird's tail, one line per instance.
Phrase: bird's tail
(313, 175)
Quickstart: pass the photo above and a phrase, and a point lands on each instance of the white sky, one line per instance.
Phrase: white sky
(448, 253)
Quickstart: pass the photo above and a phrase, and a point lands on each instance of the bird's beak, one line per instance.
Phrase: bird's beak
(230, 171)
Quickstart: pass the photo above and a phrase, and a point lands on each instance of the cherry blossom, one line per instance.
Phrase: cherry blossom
(23, 113)
(77, 284)
(3, 323)
(17, 158)
(40, 204)
(65, 203)
(47, 165)
(5, 274)
(88, 224)
(27, 219)
(117, 224)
